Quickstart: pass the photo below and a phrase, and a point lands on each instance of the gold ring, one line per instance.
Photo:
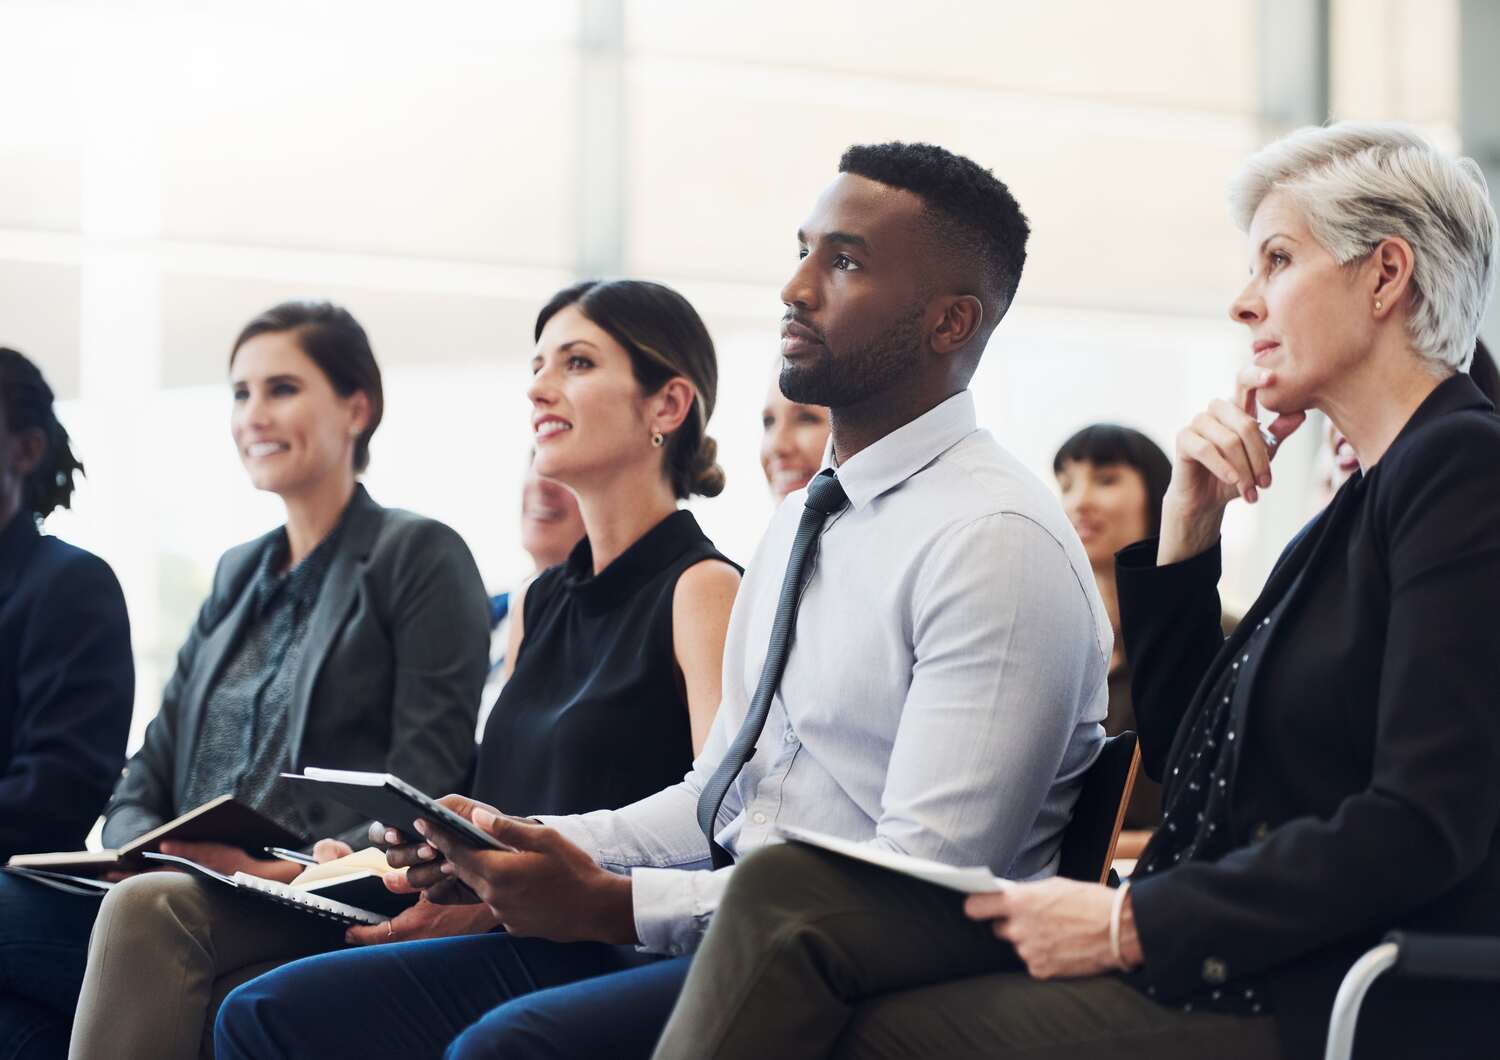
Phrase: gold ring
(390, 932)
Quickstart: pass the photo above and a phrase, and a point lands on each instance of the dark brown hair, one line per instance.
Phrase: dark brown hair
(665, 337)
(27, 400)
(1484, 374)
(335, 342)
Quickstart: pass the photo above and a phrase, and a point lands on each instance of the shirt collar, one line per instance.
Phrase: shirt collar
(898, 456)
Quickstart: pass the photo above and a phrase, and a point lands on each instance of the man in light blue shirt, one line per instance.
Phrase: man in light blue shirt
(942, 694)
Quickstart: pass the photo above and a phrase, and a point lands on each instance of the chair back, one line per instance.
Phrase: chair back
(1088, 845)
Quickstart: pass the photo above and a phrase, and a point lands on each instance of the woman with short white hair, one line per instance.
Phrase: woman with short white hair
(1329, 769)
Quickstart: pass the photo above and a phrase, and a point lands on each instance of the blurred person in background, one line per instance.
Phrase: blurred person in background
(793, 440)
(67, 682)
(613, 662)
(550, 528)
(1338, 461)
(1485, 373)
(1329, 770)
(1112, 480)
(352, 637)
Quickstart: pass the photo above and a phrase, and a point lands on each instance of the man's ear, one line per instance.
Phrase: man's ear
(962, 317)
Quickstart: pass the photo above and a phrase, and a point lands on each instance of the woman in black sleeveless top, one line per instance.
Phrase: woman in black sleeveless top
(616, 653)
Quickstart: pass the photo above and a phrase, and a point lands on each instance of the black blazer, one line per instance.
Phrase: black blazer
(67, 683)
(396, 654)
(1367, 791)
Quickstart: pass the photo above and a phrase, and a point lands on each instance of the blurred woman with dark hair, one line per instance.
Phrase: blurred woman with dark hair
(1338, 460)
(1485, 374)
(353, 636)
(1112, 480)
(66, 687)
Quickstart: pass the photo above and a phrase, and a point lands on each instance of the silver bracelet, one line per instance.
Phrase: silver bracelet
(1114, 926)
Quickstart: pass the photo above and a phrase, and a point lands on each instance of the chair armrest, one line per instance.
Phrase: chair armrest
(1470, 957)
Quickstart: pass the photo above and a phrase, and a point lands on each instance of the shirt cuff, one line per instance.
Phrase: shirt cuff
(1137, 575)
(673, 907)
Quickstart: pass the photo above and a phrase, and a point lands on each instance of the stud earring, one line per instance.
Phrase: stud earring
(657, 439)
(1377, 303)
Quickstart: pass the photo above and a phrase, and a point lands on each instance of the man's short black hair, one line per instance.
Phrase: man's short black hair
(969, 208)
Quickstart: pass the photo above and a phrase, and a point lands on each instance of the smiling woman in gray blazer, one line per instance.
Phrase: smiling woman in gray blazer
(354, 636)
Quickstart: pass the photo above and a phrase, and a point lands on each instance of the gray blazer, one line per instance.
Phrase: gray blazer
(390, 679)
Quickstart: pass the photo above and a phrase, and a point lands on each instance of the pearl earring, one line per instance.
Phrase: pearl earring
(1377, 303)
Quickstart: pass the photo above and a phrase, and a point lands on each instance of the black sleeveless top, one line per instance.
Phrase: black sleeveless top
(593, 717)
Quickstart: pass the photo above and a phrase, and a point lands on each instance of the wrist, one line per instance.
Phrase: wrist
(1130, 956)
(1185, 533)
(614, 907)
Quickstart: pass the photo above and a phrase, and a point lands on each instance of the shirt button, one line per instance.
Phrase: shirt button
(790, 737)
(1261, 831)
(758, 817)
(1215, 971)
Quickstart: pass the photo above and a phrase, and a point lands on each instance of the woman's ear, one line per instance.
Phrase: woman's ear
(672, 404)
(1393, 263)
(359, 413)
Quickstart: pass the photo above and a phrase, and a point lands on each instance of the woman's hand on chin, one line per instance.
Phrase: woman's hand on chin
(1220, 455)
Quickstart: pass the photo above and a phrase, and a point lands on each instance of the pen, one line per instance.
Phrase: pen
(291, 855)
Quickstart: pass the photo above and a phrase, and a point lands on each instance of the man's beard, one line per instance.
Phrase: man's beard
(841, 380)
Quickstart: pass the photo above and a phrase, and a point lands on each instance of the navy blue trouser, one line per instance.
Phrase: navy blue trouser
(477, 996)
(44, 947)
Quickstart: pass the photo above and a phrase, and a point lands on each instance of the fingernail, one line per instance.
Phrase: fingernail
(420, 826)
(392, 836)
(446, 868)
(425, 852)
(1250, 495)
(1265, 480)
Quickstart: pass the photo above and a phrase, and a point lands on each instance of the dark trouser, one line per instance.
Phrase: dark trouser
(812, 955)
(463, 998)
(44, 944)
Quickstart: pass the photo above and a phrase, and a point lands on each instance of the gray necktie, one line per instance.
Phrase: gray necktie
(824, 497)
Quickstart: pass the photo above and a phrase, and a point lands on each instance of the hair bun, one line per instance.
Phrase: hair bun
(706, 476)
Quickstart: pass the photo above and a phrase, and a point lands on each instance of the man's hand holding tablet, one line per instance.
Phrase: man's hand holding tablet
(543, 886)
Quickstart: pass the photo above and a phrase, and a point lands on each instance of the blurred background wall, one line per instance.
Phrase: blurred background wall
(168, 169)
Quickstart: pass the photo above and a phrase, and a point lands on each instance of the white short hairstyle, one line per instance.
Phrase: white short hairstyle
(1357, 184)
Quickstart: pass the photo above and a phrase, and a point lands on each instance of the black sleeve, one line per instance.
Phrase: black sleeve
(1170, 620)
(76, 681)
(1434, 796)
(144, 798)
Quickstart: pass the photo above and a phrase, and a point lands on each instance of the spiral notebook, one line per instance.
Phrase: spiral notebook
(355, 880)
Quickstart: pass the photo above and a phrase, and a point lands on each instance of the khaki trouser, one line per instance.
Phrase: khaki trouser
(812, 955)
(167, 947)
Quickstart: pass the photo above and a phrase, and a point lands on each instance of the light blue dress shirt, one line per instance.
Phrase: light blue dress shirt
(943, 694)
